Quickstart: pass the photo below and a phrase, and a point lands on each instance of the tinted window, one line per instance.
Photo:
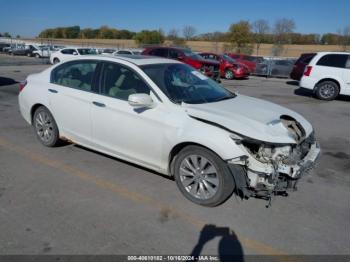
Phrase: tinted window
(77, 75)
(86, 51)
(334, 60)
(174, 54)
(122, 52)
(120, 82)
(68, 51)
(159, 52)
(348, 63)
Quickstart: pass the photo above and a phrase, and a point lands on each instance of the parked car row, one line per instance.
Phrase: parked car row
(29, 50)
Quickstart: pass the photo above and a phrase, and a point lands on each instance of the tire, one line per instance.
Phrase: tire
(37, 56)
(56, 60)
(229, 75)
(202, 176)
(45, 127)
(327, 90)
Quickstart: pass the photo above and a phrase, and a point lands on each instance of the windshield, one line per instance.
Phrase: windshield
(182, 83)
(192, 55)
(228, 59)
(86, 51)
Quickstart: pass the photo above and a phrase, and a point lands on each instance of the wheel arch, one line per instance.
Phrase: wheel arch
(328, 79)
(180, 146)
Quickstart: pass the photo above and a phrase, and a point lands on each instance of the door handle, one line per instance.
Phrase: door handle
(98, 104)
(53, 91)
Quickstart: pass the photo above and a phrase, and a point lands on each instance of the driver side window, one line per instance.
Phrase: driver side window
(120, 82)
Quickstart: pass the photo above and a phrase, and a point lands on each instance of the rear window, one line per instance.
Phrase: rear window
(305, 58)
(333, 60)
(163, 52)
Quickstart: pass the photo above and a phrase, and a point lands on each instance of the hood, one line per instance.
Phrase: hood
(251, 117)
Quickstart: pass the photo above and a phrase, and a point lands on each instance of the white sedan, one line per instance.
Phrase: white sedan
(168, 117)
(68, 53)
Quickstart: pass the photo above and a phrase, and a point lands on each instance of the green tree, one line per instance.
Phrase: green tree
(7, 34)
(88, 33)
(71, 32)
(330, 39)
(240, 36)
(149, 37)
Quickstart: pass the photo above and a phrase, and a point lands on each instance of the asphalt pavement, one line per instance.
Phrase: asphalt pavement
(71, 200)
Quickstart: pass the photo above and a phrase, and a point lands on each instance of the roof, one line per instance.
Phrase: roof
(134, 59)
(337, 53)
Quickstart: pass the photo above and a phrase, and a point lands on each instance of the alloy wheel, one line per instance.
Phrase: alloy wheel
(44, 126)
(327, 91)
(199, 177)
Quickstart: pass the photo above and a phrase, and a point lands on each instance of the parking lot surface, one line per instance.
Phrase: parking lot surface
(70, 200)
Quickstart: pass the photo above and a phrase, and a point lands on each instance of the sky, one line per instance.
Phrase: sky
(29, 18)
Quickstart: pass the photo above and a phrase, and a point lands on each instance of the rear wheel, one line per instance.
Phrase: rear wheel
(45, 127)
(229, 74)
(202, 176)
(327, 90)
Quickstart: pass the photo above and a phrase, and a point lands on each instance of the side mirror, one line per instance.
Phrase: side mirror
(75, 53)
(180, 58)
(140, 100)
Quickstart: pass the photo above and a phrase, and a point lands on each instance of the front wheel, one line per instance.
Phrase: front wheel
(229, 74)
(45, 127)
(37, 55)
(55, 61)
(327, 90)
(202, 176)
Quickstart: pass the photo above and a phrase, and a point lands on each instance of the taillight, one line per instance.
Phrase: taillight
(22, 85)
(307, 71)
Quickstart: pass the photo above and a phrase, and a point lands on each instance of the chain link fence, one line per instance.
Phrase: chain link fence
(274, 67)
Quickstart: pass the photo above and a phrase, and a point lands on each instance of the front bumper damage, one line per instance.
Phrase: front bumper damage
(265, 179)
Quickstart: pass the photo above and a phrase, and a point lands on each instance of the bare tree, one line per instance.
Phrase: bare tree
(283, 29)
(173, 34)
(188, 32)
(260, 28)
(344, 37)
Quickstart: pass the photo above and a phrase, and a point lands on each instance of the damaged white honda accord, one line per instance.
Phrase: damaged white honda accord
(166, 116)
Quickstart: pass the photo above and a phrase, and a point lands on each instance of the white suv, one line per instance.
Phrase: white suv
(328, 75)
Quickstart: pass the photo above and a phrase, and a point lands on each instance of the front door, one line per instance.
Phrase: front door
(118, 128)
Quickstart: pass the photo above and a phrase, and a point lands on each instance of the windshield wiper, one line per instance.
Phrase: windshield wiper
(224, 98)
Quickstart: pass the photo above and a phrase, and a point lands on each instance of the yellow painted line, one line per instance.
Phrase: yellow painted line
(134, 196)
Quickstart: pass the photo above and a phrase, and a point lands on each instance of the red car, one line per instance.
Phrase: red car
(229, 68)
(300, 64)
(249, 61)
(208, 67)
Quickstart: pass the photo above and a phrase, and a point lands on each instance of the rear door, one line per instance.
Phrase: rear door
(70, 94)
(346, 77)
(334, 66)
